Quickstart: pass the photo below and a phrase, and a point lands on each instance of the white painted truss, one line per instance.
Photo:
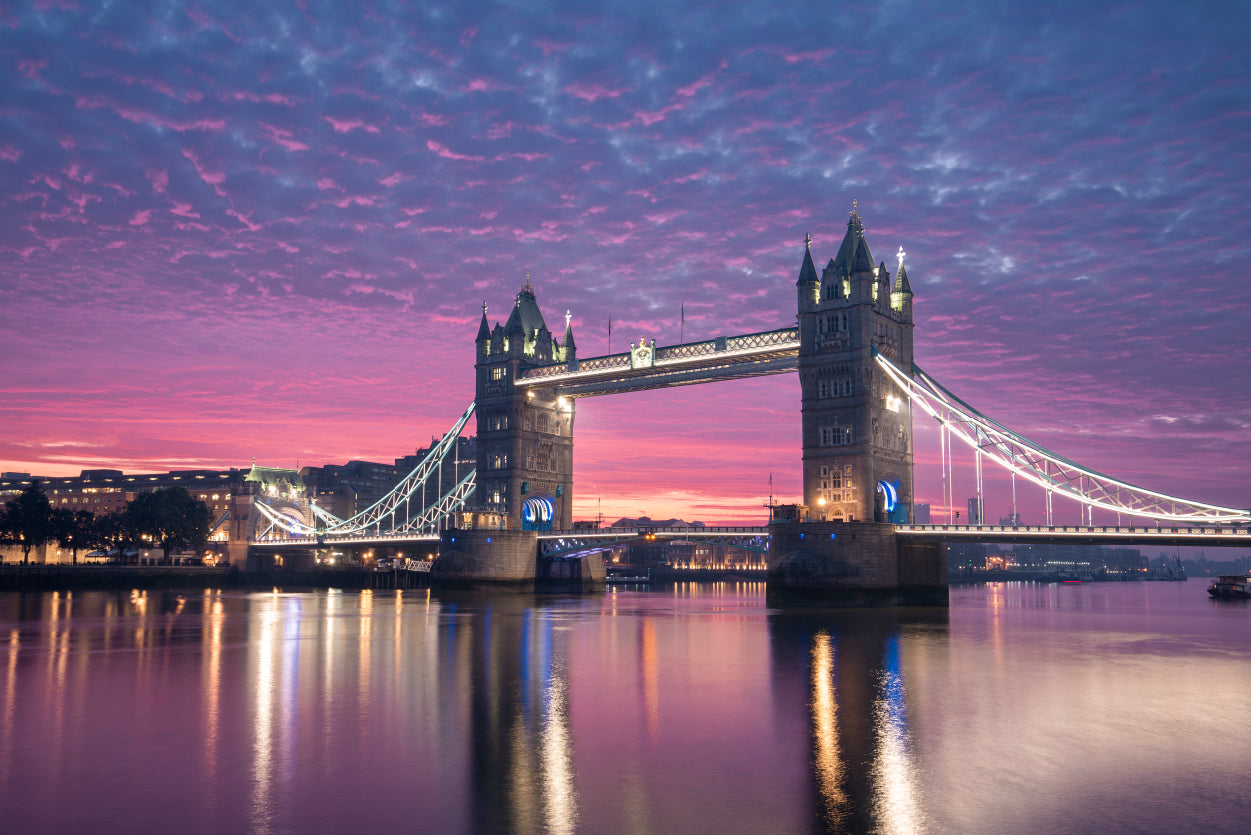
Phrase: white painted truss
(390, 514)
(1039, 465)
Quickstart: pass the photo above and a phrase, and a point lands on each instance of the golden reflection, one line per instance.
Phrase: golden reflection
(560, 798)
(330, 622)
(650, 680)
(139, 600)
(212, 683)
(363, 648)
(827, 750)
(263, 676)
(286, 693)
(10, 698)
(58, 658)
(397, 649)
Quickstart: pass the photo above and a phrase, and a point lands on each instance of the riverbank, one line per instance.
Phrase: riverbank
(102, 577)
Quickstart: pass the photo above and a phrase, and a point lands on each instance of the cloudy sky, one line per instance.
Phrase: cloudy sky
(267, 229)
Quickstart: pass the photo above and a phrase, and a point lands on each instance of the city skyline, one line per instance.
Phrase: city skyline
(234, 232)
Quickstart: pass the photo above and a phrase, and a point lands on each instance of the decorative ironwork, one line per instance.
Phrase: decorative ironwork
(1039, 465)
(748, 355)
(383, 518)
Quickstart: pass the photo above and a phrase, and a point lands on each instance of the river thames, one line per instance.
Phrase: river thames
(1102, 707)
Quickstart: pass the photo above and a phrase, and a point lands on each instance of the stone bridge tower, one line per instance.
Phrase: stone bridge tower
(857, 426)
(525, 435)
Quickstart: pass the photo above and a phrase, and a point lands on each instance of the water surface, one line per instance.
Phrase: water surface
(1024, 708)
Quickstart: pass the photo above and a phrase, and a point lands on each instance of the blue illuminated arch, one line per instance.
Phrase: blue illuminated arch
(537, 513)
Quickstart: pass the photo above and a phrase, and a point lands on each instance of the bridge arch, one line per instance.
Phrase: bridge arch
(538, 512)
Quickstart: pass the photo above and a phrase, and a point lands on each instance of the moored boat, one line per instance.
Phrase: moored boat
(1231, 587)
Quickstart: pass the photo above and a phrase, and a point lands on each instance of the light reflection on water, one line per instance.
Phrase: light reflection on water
(1105, 707)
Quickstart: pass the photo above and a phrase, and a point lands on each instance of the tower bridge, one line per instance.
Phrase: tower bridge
(852, 539)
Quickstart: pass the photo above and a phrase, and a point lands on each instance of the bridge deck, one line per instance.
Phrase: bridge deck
(724, 358)
(1109, 535)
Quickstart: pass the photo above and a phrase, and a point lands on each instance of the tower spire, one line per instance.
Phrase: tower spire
(484, 331)
(807, 270)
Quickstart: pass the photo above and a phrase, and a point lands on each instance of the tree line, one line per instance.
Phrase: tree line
(170, 518)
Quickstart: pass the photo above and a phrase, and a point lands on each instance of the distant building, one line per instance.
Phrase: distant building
(347, 489)
(647, 552)
(101, 491)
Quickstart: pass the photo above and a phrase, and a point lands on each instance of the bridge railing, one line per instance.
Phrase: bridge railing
(608, 532)
(668, 354)
(1130, 530)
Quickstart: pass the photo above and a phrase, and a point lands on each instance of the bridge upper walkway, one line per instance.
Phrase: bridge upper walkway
(723, 358)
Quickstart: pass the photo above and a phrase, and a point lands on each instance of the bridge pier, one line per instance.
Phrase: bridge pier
(848, 564)
(509, 560)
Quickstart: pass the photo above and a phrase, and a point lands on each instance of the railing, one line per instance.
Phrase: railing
(610, 532)
(672, 354)
(1097, 530)
(606, 363)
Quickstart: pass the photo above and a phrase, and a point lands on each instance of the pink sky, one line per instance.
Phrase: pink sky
(230, 234)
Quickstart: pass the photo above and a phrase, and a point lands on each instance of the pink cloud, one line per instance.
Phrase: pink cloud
(447, 154)
(246, 220)
(75, 173)
(356, 200)
(213, 178)
(283, 137)
(267, 98)
(141, 217)
(592, 92)
(345, 125)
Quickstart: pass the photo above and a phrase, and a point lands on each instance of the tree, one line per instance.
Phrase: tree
(28, 520)
(109, 531)
(73, 529)
(171, 516)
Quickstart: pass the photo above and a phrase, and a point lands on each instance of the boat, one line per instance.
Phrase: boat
(1231, 587)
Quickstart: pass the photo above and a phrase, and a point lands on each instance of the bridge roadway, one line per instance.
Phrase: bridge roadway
(562, 543)
(1223, 535)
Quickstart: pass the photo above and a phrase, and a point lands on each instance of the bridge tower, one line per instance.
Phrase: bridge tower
(857, 427)
(525, 438)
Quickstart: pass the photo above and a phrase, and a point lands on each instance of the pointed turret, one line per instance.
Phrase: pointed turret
(808, 271)
(853, 255)
(901, 281)
(568, 343)
(484, 330)
(901, 296)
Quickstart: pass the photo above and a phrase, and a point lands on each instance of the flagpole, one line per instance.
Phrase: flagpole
(682, 327)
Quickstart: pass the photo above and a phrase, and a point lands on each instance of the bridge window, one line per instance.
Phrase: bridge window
(541, 422)
(497, 422)
(497, 373)
(835, 435)
(499, 461)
